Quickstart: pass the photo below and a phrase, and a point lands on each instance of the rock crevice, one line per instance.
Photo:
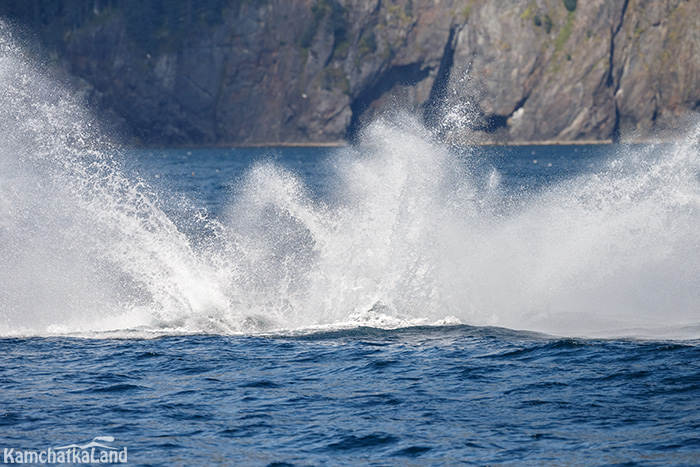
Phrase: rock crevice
(615, 135)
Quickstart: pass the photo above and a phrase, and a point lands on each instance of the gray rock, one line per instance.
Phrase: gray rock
(314, 71)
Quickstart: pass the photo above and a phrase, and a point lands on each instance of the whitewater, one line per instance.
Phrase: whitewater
(413, 231)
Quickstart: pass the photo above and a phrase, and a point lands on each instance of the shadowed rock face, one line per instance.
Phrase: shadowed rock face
(313, 71)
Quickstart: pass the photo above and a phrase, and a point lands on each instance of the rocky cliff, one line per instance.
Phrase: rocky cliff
(313, 71)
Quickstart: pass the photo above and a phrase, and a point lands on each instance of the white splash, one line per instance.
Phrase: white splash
(410, 236)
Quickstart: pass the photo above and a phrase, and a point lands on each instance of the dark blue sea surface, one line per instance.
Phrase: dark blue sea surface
(450, 395)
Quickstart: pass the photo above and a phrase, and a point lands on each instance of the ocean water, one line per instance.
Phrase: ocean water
(424, 395)
(403, 301)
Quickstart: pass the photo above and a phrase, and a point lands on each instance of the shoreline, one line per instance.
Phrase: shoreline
(340, 144)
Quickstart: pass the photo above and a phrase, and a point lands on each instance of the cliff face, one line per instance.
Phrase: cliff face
(314, 70)
(271, 71)
(607, 69)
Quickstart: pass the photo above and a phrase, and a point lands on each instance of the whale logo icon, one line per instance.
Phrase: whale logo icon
(95, 443)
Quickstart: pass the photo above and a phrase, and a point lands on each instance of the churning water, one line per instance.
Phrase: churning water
(408, 231)
(343, 306)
